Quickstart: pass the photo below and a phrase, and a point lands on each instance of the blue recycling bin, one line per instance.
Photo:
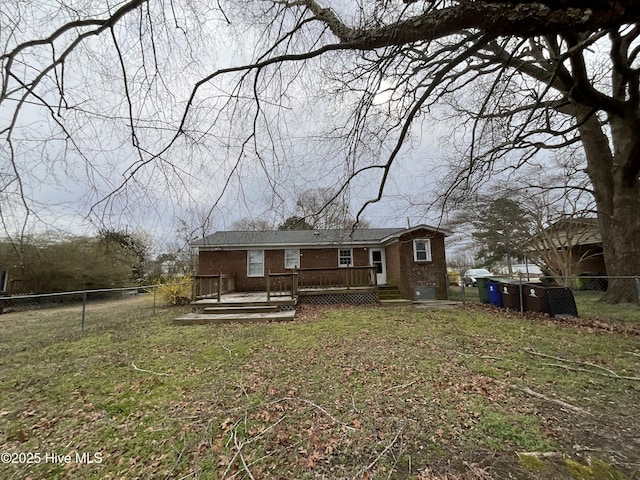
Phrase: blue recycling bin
(495, 297)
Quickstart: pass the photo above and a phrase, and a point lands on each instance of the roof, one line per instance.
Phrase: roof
(568, 232)
(297, 238)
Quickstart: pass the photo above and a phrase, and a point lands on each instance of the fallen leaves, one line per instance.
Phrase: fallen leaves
(340, 393)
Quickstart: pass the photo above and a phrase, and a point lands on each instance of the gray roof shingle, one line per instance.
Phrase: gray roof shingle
(272, 238)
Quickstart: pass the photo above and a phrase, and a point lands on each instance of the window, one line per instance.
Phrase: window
(345, 257)
(292, 258)
(422, 250)
(255, 263)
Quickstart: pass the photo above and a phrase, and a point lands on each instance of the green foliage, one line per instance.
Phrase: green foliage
(127, 245)
(176, 291)
(48, 263)
(502, 230)
(531, 462)
(597, 470)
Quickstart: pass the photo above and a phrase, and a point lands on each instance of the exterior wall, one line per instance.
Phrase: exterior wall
(402, 270)
(328, 257)
(591, 260)
(587, 259)
(422, 274)
(235, 262)
(392, 257)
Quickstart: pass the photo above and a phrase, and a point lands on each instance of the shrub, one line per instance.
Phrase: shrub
(176, 290)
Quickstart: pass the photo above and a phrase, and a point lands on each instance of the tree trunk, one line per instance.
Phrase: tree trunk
(617, 197)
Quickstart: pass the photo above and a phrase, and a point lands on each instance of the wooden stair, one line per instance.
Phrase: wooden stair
(212, 312)
(389, 292)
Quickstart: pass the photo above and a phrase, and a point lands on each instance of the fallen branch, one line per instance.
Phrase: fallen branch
(609, 373)
(386, 449)
(309, 402)
(395, 387)
(240, 445)
(235, 455)
(257, 436)
(531, 351)
(540, 454)
(239, 452)
(148, 371)
(353, 403)
(484, 357)
(561, 403)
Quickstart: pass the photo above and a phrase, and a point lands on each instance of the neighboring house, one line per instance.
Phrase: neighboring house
(572, 245)
(413, 259)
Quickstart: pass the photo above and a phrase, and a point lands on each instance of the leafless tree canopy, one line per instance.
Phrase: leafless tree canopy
(137, 88)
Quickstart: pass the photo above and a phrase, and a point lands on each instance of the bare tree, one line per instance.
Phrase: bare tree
(560, 206)
(543, 211)
(323, 209)
(545, 75)
(252, 224)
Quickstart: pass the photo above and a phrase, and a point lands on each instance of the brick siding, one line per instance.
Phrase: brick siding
(422, 274)
(402, 270)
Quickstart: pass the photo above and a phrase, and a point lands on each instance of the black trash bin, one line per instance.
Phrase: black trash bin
(511, 295)
(535, 298)
(561, 302)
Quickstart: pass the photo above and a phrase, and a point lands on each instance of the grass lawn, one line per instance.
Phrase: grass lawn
(357, 393)
(588, 302)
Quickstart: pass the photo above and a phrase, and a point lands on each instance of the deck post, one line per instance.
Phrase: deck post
(294, 284)
(269, 286)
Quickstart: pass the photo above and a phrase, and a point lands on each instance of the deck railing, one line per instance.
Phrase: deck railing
(282, 284)
(337, 277)
(212, 286)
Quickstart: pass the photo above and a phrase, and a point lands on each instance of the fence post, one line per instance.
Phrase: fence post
(521, 295)
(462, 285)
(155, 290)
(220, 287)
(84, 308)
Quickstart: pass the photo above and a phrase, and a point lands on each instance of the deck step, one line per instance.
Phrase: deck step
(243, 304)
(224, 309)
(217, 319)
(389, 292)
(395, 302)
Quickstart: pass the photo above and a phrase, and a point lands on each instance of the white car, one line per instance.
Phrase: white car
(470, 276)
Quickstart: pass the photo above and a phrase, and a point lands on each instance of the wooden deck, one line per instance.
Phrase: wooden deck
(248, 307)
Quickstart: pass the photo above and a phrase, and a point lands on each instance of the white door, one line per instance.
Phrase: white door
(376, 259)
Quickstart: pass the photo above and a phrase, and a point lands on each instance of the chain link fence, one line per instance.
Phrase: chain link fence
(82, 303)
(590, 296)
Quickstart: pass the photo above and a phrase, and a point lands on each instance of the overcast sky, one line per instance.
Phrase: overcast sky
(218, 172)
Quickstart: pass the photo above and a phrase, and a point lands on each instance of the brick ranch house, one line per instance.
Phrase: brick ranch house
(412, 259)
